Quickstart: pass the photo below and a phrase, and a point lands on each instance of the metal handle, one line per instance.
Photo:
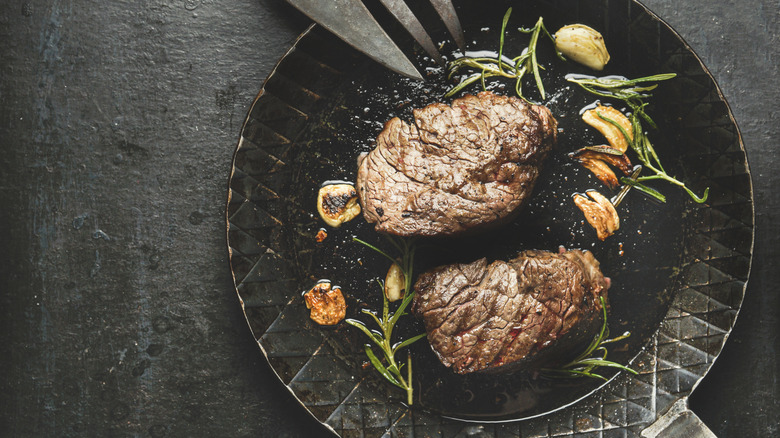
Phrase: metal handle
(678, 422)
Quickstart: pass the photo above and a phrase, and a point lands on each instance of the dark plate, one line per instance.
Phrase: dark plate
(678, 269)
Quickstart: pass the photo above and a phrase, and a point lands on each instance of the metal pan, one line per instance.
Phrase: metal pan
(679, 269)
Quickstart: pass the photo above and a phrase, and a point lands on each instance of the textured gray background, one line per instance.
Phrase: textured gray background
(118, 120)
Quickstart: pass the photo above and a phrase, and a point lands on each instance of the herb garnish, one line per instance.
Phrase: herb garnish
(514, 68)
(393, 370)
(633, 92)
(594, 356)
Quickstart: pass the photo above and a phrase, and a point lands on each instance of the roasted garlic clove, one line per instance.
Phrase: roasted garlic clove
(395, 283)
(338, 203)
(599, 212)
(613, 134)
(597, 162)
(327, 304)
(621, 162)
(593, 162)
(582, 44)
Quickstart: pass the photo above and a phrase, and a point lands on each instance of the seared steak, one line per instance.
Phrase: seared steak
(527, 312)
(457, 168)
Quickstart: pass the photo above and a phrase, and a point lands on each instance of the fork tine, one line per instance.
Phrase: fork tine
(351, 21)
(402, 13)
(447, 13)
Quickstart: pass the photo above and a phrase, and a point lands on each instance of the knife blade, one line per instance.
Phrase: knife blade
(351, 21)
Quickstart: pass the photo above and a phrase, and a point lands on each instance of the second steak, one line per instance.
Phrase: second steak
(529, 311)
(456, 168)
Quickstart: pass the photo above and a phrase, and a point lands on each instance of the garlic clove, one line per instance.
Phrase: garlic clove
(612, 133)
(593, 162)
(597, 163)
(326, 303)
(583, 44)
(395, 283)
(599, 212)
(338, 203)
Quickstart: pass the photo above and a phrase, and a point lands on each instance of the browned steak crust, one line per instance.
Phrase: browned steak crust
(527, 311)
(457, 168)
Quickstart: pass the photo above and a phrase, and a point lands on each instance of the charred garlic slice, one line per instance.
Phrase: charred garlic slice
(582, 44)
(337, 202)
(598, 162)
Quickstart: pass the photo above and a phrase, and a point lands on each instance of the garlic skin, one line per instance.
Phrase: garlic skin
(583, 44)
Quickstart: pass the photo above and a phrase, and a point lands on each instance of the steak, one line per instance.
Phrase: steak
(456, 168)
(533, 310)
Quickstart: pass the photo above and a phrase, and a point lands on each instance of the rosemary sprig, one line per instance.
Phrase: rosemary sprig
(514, 68)
(633, 93)
(393, 370)
(644, 189)
(594, 356)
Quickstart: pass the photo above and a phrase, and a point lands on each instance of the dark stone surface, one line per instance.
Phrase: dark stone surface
(118, 121)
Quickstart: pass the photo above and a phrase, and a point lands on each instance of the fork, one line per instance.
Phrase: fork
(351, 21)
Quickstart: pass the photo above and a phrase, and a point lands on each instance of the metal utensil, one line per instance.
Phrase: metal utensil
(351, 21)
